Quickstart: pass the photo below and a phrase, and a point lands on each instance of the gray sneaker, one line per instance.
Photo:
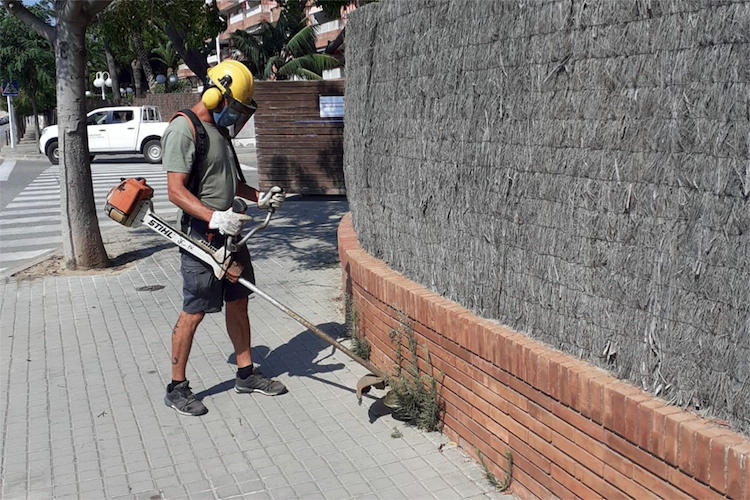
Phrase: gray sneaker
(258, 383)
(182, 399)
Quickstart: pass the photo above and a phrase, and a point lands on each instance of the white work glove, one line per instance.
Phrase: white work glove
(272, 199)
(228, 222)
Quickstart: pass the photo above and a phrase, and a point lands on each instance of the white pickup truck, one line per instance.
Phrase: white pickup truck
(115, 130)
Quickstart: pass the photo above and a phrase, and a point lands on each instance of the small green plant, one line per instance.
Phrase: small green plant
(396, 433)
(500, 486)
(414, 396)
(360, 345)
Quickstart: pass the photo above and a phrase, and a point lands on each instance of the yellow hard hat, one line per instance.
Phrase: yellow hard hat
(232, 79)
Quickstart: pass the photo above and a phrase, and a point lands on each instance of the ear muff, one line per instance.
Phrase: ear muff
(212, 98)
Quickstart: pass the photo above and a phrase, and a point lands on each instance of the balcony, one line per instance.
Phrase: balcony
(237, 17)
(329, 26)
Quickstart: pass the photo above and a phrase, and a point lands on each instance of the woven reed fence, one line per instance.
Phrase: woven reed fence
(577, 170)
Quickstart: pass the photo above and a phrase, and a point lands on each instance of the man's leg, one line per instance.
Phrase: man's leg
(249, 379)
(179, 395)
(182, 342)
(238, 327)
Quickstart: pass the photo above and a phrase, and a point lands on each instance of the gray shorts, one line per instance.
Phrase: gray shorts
(203, 292)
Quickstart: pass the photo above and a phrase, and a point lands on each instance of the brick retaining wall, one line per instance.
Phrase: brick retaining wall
(573, 429)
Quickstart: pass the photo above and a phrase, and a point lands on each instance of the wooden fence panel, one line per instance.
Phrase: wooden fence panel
(296, 148)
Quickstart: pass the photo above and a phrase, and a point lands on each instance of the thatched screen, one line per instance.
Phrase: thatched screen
(577, 170)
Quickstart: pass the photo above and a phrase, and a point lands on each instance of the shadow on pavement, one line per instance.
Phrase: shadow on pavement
(303, 232)
(297, 358)
(103, 159)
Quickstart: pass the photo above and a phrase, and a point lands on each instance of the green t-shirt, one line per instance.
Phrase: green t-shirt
(217, 172)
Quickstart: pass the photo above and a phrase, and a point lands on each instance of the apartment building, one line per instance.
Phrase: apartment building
(249, 14)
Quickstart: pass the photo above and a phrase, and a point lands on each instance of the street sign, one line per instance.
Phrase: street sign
(331, 106)
(10, 88)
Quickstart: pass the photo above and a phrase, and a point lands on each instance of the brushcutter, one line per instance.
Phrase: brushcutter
(130, 204)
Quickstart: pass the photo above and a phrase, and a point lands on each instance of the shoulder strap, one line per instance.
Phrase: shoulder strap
(200, 137)
(240, 175)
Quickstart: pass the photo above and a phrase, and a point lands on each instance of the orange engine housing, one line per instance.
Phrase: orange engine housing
(125, 200)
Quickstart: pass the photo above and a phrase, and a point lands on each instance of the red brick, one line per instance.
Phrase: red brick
(614, 406)
(576, 372)
(529, 482)
(390, 290)
(542, 375)
(646, 421)
(517, 361)
(532, 365)
(555, 374)
(456, 326)
(626, 484)
(690, 485)
(485, 340)
(737, 465)
(633, 454)
(572, 481)
(596, 397)
(746, 482)
(703, 439)
(671, 438)
(563, 377)
(658, 485)
(632, 414)
(719, 467)
(494, 343)
(539, 460)
(687, 444)
(586, 459)
(443, 312)
(601, 485)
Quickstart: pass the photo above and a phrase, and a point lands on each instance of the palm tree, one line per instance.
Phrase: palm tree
(165, 54)
(285, 49)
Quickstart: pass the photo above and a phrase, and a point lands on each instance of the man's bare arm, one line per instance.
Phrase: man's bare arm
(181, 196)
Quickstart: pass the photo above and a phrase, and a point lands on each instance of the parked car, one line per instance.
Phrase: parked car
(115, 130)
(4, 120)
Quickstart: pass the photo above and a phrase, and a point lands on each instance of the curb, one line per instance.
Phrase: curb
(7, 275)
(21, 157)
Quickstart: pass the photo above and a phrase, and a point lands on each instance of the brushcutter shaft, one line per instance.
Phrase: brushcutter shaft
(317, 331)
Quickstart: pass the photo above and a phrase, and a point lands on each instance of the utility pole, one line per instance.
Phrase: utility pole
(10, 89)
(11, 123)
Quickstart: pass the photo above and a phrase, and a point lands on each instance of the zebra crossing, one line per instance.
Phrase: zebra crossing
(30, 223)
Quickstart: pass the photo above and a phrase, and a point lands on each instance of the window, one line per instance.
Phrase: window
(99, 118)
(236, 16)
(122, 116)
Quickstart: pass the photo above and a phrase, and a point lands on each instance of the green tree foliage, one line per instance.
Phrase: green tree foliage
(137, 28)
(28, 58)
(284, 49)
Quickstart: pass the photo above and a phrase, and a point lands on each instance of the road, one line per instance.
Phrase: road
(30, 204)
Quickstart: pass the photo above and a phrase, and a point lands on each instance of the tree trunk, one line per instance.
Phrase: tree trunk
(35, 110)
(112, 68)
(194, 59)
(82, 242)
(136, 67)
(140, 51)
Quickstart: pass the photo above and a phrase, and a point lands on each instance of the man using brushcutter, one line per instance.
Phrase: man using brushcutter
(203, 177)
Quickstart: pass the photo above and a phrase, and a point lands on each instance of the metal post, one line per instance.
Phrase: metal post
(11, 123)
(218, 50)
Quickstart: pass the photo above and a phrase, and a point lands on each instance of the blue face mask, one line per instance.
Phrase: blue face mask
(226, 117)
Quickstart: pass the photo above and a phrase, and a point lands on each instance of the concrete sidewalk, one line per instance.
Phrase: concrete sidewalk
(27, 150)
(84, 359)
